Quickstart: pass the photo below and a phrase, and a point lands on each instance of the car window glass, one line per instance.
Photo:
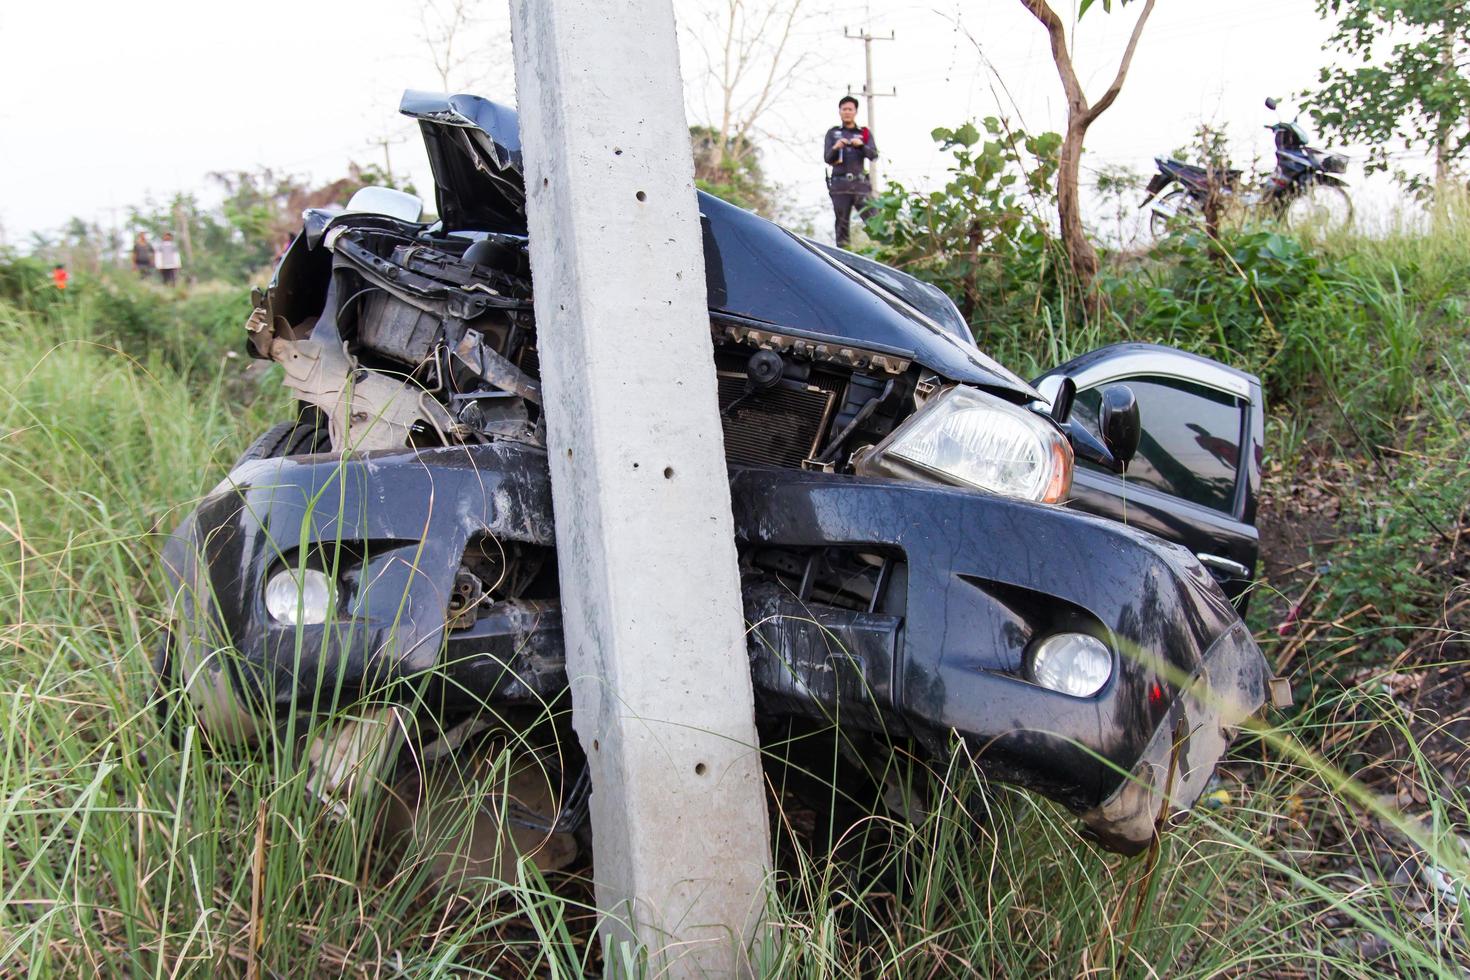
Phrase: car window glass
(1191, 439)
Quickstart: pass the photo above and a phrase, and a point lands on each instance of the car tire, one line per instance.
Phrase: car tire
(307, 434)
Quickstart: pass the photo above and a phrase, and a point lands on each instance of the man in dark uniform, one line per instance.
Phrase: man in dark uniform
(847, 149)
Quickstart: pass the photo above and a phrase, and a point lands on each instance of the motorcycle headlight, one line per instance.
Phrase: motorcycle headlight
(965, 437)
(303, 598)
(1073, 663)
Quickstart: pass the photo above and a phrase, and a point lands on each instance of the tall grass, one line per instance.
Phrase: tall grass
(135, 848)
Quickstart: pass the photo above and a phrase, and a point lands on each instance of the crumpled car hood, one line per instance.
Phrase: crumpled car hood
(755, 270)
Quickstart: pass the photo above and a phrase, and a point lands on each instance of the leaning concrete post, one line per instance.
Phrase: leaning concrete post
(661, 695)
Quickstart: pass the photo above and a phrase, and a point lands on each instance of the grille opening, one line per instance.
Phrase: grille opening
(858, 578)
(494, 570)
(779, 426)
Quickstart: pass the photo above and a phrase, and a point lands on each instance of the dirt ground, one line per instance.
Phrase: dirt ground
(1303, 522)
(1409, 744)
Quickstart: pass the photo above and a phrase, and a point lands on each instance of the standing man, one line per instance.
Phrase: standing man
(166, 259)
(847, 150)
(142, 256)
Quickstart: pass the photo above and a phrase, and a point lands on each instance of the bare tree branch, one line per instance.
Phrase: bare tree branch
(1111, 95)
(1057, 34)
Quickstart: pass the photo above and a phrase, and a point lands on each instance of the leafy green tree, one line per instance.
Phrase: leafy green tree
(1412, 85)
(212, 247)
(730, 169)
(984, 238)
(260, 212)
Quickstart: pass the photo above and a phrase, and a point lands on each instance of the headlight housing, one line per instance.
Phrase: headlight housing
(1078, 664)
(301, 597)
(964, 437)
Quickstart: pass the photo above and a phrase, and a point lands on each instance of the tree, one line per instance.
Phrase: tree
(1117, 185)
(446, 24)
(732, 173)
(984, 237)
(260, 212)
(745, 61)
(1412, 86)
(1081, 114)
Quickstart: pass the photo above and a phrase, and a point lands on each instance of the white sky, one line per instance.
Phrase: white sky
(103, 104)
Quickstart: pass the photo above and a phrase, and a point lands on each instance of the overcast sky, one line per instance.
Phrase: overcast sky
(105, 103)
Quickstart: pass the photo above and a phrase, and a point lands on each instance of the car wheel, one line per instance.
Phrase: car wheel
(307, 434)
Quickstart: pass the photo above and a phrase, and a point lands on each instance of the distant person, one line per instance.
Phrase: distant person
(59, 277)
(143, 256)
(166, 259)
(847, 150)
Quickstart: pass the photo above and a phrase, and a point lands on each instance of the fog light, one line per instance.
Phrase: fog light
(298, 598)
(1072, 663)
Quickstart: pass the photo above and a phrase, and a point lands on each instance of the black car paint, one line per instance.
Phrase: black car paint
(754, 268)
(943, 655)
(1201, 529)
(971, 578)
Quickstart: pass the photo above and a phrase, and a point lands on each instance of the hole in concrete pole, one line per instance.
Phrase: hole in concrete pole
(641, 196)
(545, 181)
(595, 746)
(668, 472)
(699, 768)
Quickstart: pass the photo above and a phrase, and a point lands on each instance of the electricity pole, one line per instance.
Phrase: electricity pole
(868, 92)
(384, 142)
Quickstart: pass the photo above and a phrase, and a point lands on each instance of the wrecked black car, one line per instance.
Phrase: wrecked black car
(931, 548)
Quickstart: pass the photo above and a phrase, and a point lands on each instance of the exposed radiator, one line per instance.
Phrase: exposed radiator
(779, 426)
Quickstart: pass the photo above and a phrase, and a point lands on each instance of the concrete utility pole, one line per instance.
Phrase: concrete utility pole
(868, 91)
(661, 693)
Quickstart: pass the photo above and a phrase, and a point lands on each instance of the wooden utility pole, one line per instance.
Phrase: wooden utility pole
(650, 589)
(869, 92)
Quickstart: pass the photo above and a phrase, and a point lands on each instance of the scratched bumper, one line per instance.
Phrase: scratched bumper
(980, 577)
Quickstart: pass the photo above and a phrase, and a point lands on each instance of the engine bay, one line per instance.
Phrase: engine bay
(424, 340)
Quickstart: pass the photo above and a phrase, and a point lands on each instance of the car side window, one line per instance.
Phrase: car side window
(1191, 438)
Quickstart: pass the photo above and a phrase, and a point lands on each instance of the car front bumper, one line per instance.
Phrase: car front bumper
(980, 577)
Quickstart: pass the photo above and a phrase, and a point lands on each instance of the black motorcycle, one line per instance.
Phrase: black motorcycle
(1305, 189)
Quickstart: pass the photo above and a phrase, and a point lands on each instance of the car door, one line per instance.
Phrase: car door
(1197, 472)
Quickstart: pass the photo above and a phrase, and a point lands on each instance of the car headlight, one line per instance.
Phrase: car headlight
(301, 597)
(964, 437)
(1078, 664)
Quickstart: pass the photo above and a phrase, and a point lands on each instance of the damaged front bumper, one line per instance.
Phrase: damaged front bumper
(967, 583)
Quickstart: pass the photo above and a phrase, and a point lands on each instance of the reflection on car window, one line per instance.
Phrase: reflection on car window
(1191, 439)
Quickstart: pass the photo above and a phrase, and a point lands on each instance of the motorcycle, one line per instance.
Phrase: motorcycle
(931, 549)
(1305, 189)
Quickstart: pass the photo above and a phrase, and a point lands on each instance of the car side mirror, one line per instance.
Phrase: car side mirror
(1119, 424)
(1060, 391)
(1271, 104)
